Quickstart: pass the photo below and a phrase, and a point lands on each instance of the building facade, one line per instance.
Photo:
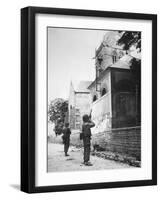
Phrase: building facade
(79, 103)
(115, 92)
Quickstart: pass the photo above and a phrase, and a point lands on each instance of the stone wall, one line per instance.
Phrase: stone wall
(101, 108)
(101, 114)
(126, 141)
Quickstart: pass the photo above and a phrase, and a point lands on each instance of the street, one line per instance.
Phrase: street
(57, 162)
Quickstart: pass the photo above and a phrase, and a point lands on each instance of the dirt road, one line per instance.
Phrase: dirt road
(58, 162)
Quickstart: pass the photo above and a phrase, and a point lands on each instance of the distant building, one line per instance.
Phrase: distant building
(79, 103)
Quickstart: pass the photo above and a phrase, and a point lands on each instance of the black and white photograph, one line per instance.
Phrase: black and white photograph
(94, 99)
(89, 83)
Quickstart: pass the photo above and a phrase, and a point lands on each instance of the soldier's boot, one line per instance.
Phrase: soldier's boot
(88, 164)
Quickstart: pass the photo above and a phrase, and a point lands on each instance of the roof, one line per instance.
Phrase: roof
(81, 86)
(123, 63)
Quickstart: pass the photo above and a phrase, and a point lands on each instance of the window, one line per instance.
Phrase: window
(114, 58)
(100, 60)
(103, 92)
(94, 98)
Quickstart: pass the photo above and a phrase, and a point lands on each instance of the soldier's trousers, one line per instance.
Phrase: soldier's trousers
(87, 146)
(66, 147)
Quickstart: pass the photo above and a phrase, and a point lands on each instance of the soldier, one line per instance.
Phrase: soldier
(66, 138)
(86, 136)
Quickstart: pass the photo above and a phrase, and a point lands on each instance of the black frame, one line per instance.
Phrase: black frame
(28, 98)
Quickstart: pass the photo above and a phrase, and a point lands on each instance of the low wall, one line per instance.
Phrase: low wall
(125, 141)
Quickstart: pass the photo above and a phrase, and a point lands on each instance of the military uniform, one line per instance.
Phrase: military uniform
(86, 136)
(66, 139)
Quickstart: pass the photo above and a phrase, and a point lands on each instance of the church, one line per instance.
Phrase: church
(115, 92)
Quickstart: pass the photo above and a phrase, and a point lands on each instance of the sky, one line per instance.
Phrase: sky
(70, 57)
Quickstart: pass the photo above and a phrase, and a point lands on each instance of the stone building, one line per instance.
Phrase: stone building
(115, 91)
(79, 103)
(115, 98)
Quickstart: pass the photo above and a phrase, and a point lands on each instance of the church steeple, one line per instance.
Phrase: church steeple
(108, 52)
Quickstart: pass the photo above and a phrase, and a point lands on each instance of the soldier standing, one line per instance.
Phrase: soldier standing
(86, 136)
(66, 138)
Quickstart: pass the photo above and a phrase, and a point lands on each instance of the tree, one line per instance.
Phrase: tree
(129, 39)
(57, 111)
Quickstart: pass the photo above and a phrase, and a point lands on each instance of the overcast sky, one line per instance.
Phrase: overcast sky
(70, 53)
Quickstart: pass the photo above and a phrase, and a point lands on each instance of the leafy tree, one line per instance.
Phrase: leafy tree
(57, 111)
(129, 39)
